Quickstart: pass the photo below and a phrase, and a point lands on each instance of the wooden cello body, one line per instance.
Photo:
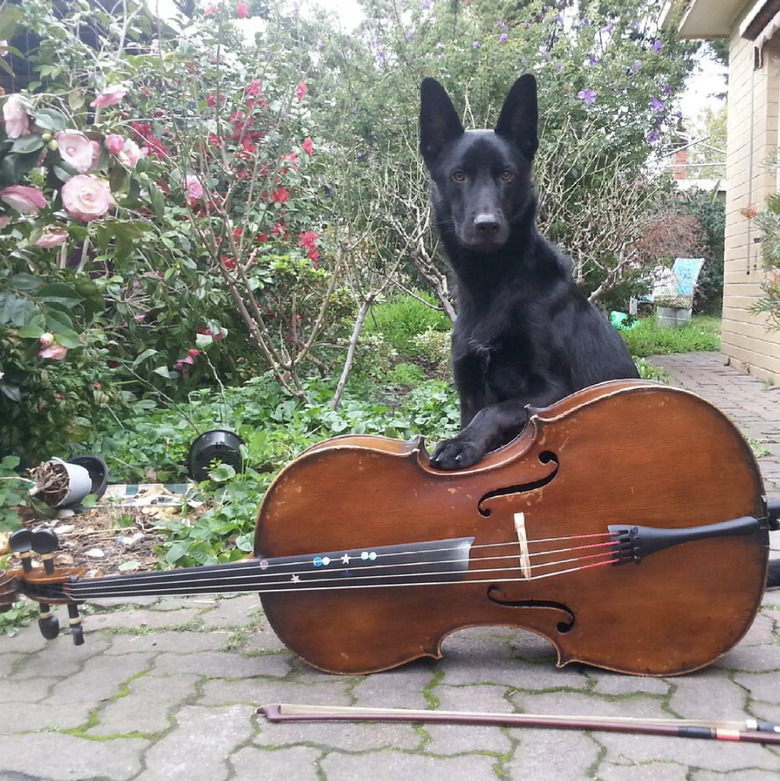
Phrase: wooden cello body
(532, 518)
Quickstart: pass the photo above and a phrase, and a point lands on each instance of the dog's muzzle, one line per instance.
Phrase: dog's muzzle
(486, 232)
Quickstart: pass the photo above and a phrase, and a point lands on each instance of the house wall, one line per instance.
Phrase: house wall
(753, 103)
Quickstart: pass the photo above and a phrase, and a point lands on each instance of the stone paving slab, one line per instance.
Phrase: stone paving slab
(168, 690)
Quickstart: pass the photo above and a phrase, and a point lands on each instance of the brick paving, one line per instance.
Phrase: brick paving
(169, 690)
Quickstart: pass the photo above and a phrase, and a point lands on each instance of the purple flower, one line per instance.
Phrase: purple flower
(502, 24)
(657, 46)
(653, 136)
(657, 105)
(425, 5)
(380, 57)
(593, 60)
(585, 22)
(636, 66)
(475, 44)
(559, 19)
(409, 35)
(608, 29)
(667, 89)
(502, 38)
(587, 95)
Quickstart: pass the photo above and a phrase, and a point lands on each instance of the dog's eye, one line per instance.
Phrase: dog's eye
(507, 176)
(458, 176)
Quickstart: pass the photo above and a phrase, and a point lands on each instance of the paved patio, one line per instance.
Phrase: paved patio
(168, 690)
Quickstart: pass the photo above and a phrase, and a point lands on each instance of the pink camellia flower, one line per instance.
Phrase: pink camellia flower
(242, 10)
(86, 198)
(211, 10)
(27, 200)
(194, 187)
(114, 143)
(131, 153)
(110, 96)
(4, 221)
(75, 149)
(47, 339)
(308, 147)
(16, 117)
(54, 351)
(51, 237)
(300, 90)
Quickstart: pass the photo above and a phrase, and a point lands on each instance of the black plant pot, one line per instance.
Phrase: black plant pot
(216, 445)
(98, 472)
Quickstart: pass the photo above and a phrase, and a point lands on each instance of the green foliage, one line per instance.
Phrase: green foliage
(647, 371)
(276, 427)
(711, 214)
(20, 614)
(648, 338)
(769, 222)
(401, 319)
(13, 493)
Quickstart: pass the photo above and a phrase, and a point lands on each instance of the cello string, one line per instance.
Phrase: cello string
(268, 567)
(227, 574)
(255, 581)
(304, 587)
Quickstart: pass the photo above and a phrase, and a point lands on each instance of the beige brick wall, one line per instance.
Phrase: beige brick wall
(754, 104)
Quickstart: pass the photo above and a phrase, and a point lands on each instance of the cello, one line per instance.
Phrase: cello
(626, 524)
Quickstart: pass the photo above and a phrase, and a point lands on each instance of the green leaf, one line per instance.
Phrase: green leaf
(202, 341)
(60, 293)
(11, 391)
(62, 173)
(177, 551)
(31, 331)
(51, 119)
(163, 371)
(222, 473)
(143, 356)
(76, 99)
(10, 16)
(25, 282)
(69, 339)
(158, 200)
(57, 321)
(29, 143)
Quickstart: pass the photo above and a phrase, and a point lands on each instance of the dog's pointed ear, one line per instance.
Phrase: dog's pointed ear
(439, 122)
(520, 116)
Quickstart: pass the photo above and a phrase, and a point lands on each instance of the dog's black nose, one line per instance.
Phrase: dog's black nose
(486, 224)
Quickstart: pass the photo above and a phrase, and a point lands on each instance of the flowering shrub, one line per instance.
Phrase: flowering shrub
(155, 199)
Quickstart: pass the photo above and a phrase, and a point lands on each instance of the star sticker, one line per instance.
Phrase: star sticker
(345, 558)
(295, 579)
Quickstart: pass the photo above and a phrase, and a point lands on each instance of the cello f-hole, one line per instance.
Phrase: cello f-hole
(545, 457)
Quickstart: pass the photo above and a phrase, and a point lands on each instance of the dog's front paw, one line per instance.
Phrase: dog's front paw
(456, 454)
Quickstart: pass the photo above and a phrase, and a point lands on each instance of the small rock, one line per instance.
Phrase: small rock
(95, 553)
(65, 513)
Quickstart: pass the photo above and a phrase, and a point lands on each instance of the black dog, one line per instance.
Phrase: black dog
(525, 333)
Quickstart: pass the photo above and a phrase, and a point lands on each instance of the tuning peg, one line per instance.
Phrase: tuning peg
(21, 543)
(45, 542)
(48, 623)
(76, 627)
